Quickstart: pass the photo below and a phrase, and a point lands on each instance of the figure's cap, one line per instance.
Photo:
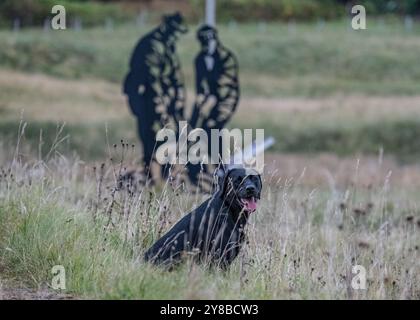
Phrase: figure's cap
(176, 21)
(206, 32)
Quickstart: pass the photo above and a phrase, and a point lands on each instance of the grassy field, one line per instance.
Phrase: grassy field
(291, 71)
(340, 188)
(90, 107)
(276, 60)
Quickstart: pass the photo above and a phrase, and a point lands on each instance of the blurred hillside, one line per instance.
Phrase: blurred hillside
(314, 87)
(276, 60)
(34, 12)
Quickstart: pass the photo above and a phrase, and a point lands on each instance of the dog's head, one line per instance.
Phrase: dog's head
(240, 188)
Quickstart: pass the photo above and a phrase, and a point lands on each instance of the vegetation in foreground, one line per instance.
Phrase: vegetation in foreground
(301, 243)
(276, 60)
(55, 208)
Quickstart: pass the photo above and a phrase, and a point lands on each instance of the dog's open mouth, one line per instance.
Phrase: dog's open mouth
(250, 204)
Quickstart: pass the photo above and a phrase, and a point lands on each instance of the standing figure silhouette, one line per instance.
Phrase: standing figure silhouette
(217, 90)
(154, 85)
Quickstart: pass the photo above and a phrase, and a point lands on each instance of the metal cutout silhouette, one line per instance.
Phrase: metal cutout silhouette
(156, 93)
(217, 89)
(155, 85)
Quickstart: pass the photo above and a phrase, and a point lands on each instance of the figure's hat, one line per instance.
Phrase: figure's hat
(206, 32)
(175, 21)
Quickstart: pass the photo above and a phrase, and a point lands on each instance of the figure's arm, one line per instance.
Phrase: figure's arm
(229, 92)
(178, 101)
(155, 62)
(200, 90)
(200, 71)
(153, 73)
(136, 76)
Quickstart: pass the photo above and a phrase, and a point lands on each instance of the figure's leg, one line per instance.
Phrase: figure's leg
(193, 172)
(146, 133)
(147, 137)
(135, 103)
(164, 171)
(164, 167)
(219, 126)
(137, 106)
(198, 174)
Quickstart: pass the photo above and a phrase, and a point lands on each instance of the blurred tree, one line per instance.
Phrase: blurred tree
(34, 12)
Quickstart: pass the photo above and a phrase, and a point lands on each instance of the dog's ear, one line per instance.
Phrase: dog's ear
(220, 175)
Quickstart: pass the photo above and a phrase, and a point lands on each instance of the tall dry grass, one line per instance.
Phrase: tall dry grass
(302, 242)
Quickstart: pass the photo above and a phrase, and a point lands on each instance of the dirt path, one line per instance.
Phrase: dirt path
(10, 291)
(47, 98)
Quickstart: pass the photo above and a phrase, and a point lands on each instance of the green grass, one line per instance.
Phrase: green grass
(33, 13)
(89, 141)
(278, 60)
(301, 243)
(397, 138)
(281, 61)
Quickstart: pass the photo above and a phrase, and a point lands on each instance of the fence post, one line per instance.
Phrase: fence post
(408, 23)
(320, 24)
(77, 24)
(141, 18)
(109, 24)
(232, 25)
(47, 25)
(291, 26)
(262, 27)
(211, 12)
(16, 25)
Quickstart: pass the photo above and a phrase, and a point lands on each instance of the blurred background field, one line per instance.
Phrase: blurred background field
(315, 86)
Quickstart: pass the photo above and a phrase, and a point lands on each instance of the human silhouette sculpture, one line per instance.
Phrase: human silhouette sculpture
(154, 84)
(217, 89)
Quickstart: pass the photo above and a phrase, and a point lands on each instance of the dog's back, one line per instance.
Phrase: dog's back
(181, 237)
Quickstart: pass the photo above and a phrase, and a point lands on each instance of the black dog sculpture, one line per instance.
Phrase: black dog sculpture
(213, 232)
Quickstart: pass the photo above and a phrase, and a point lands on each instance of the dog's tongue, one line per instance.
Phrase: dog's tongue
(250, 204)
